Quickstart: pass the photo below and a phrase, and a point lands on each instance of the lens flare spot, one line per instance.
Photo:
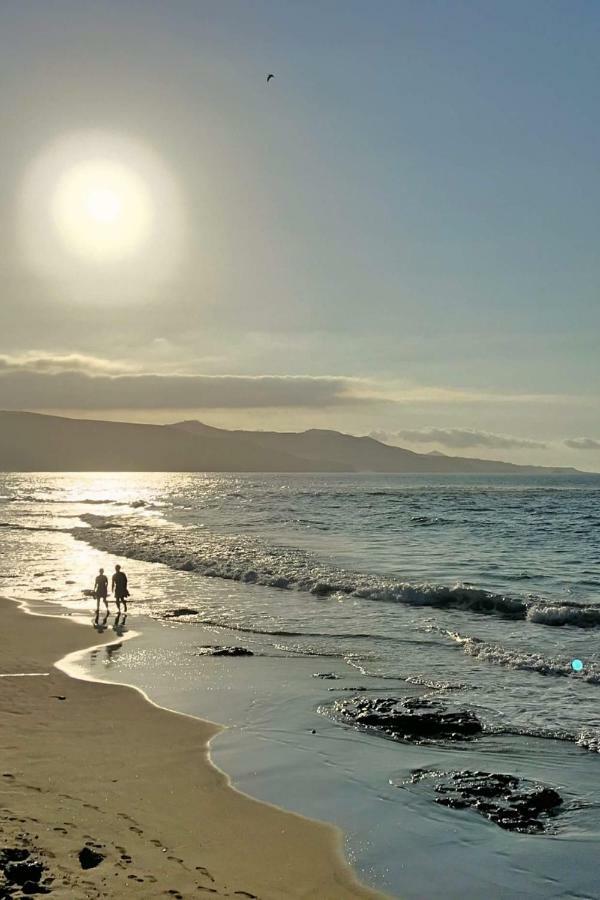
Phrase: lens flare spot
(577, 665)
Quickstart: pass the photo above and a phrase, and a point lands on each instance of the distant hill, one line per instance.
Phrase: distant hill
(347, 453)
(32, 442)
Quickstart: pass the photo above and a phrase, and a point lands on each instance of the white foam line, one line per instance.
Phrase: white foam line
(25, 675)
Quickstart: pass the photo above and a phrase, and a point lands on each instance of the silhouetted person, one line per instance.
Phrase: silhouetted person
(101, 590)
(119, 587)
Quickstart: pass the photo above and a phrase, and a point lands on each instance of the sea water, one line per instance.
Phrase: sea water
(478, 591)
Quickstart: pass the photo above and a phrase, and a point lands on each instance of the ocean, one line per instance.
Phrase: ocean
(475, 592)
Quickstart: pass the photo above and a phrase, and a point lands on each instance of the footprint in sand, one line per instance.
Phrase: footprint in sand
(205, 872)
(135, 829)
(125, 816)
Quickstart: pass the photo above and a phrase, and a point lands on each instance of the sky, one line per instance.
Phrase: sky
(397, 235)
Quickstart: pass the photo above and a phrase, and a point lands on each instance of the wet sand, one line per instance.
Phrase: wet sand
(89, 764)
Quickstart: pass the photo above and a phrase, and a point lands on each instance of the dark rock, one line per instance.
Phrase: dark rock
(13, 854)
(512, 803)
(224, 651)
(20, 872)
(330, 675)
(89, 859)
(30, 888)
(413, 719)
(183, 611)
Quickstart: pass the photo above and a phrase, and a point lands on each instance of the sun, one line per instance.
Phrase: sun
(102, 210)
(102, 215)
(103, 205)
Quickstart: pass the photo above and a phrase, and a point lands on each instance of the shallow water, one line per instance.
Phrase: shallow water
(479, 592)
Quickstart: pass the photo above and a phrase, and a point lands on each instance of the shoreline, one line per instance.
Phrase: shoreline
(169, 821)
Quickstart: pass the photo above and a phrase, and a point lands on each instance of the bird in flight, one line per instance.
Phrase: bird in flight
(269, 76)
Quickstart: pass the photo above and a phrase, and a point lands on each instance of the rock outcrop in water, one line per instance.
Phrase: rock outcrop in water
(224, 651)
(411, 719)
(512, 803)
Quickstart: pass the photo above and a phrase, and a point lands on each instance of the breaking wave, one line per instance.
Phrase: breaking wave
(249, 561)
(14, 526)
(77, 501)
(521, 660)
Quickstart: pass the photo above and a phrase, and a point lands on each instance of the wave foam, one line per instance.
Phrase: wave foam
(520, 660)
(247, 560)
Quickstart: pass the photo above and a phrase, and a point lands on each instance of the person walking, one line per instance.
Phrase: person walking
(101, 590)
(119, 587)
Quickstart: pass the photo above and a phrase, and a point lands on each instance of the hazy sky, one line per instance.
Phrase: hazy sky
(399, 234)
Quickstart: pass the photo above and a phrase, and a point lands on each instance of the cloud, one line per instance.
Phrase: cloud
(76, 381)
(80, 382)
(53, 364)
(415, 394)
(583, 443)
(457, 438)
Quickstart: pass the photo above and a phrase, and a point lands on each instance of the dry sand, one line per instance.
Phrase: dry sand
(97, 765)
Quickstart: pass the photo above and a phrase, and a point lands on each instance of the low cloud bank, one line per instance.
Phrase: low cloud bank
(79, 382)
(583, 443)
(456, 438)
(75, 381)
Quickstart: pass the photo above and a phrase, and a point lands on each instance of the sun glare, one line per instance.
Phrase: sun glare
(102, 210)
(103, 205)
(101, 213)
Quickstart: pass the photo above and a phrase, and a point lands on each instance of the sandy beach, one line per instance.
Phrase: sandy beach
(93, 765)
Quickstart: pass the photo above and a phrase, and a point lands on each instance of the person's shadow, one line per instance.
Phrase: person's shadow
(100, 624)
(119, 624)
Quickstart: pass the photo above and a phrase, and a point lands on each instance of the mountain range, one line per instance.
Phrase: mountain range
(34, 442)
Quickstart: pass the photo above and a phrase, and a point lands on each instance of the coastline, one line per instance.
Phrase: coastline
(108, 769)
